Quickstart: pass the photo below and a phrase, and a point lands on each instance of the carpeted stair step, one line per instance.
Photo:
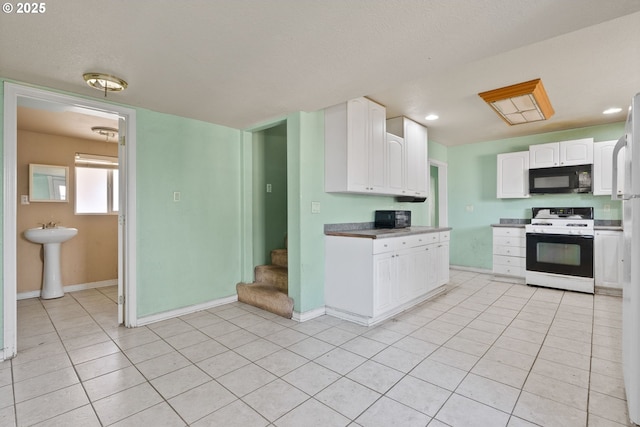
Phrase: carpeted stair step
(273, 274)
(279, 257)
(267, 297)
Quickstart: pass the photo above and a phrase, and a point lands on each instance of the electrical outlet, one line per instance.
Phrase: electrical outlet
(607, 208)
(469, 208)
(268, 188)
(315, 207)
(24, 199)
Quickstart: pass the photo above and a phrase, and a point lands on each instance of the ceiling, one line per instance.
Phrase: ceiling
(241, 63)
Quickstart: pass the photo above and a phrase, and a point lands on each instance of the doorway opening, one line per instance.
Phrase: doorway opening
(15, 98)
(269, 289)
(438, 202)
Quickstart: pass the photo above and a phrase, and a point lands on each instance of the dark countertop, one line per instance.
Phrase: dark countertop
(381, 233)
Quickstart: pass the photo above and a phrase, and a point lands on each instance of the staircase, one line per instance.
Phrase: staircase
(270, 289)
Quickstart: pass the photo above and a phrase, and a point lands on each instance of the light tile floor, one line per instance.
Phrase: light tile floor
(484, 354)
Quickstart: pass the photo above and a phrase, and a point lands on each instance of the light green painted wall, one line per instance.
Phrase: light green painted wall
(437, 152)
(189, 252)
(275, 169)
(473, 206)
(258, 242)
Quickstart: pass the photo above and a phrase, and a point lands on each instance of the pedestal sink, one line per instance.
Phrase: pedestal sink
(51, 238)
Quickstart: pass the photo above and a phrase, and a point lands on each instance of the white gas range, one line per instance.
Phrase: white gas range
(559, 248)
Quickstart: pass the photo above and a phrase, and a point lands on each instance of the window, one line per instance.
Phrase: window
(96, 184)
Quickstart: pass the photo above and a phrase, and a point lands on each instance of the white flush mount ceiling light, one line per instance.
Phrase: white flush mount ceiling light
(105, 131)
(520, 103)
(105, 82)
(612, 110)
(431, 117)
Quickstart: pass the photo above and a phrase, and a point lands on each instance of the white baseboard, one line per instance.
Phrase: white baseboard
(185, 310)
(472, 269)
(308, 315)
(71, 288)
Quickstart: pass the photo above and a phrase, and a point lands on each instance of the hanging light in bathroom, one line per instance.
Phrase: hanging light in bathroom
(105, 82)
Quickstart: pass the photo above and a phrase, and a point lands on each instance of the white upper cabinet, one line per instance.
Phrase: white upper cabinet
(513, 175)
(355, 147)
(544, 155)
(416, 182)
(396, 167)
(603, 168)
(565, 153)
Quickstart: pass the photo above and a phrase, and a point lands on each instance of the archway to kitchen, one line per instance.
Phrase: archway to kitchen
(14, 95)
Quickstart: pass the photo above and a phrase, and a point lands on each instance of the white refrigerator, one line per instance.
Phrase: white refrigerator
(631, 255)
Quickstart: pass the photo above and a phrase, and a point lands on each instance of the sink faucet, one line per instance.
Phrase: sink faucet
(50, 224)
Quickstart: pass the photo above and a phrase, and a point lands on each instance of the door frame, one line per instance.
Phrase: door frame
(127, 216)
(443, 201)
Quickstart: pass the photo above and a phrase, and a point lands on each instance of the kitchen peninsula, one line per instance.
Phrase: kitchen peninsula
(372, 274)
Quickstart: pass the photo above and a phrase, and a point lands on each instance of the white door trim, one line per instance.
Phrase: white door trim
(9, 227)
(443, 201)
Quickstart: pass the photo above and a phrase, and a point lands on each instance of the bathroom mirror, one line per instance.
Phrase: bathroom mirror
(48, 183)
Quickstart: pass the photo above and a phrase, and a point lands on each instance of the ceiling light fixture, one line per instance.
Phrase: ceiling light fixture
(105, 131)
(105, 82)
(612, 110)
(520, 103)
(432, 117)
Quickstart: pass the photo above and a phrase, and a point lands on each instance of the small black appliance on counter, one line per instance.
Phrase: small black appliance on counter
(392, 219)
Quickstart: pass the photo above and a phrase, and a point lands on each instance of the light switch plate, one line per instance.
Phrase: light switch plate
(176, 196)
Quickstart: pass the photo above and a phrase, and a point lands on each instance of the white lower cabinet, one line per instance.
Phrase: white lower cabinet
(607, 257)
(509, 251)
(368, 280)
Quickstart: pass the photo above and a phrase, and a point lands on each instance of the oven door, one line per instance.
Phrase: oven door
(568, 255)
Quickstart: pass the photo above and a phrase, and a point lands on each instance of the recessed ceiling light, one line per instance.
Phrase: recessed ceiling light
(612, 110)
(432, 117)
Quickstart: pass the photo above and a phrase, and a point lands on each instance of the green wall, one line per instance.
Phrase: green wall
(473, 206)
(275, 169)
(189, 251)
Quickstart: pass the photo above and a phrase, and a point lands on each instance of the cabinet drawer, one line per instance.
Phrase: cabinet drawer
(519, 242)
(445, 236)
(512, 261)
(508, 270)
(509, 232)
(417, 240)
(385, 245)
(509, 250)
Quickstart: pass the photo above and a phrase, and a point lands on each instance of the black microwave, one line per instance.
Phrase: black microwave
(392, 219)
(562, 179)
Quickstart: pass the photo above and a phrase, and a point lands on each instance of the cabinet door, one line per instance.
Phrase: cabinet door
(442, 263)
(358, 145)
(603, 168)
(415, 137)
(377, 146)
(431, 269)
(395, 164)
(608, 259)
(544, 155)
(406, 265)
(576, 152)
(513, 175)
(384, 279)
